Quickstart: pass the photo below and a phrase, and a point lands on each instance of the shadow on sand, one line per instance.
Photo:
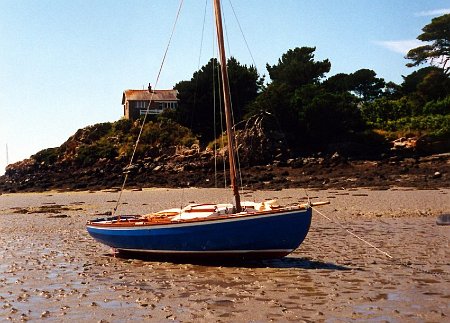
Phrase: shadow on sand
(285, 262)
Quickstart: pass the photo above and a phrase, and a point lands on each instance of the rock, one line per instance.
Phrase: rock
(437, 175)
(429, 145)
(404, 143)
(335, 156)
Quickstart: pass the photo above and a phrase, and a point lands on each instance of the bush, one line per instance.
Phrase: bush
(167, 132)
(438, 107)
(122, 126)
(433, 125)
(48, 156)
(97, 131)
(88, 155)
(383, 110)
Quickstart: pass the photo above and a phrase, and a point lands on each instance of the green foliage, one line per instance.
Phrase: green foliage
(383, 110)
(437, 34)
(363, 83)
(297, 67)
(438, 107)
(200, 98)
(332, 117)
(308, 113)
(47, 156)
(366, 85)
(119, 138)
(89, 154)
(166, 132)
(97, 131)
(411, 81)
(278, 102)
(122, 126)
(435, 85)
(434, 125)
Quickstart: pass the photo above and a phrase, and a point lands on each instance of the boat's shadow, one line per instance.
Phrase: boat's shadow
(301, 263)
(285, 262)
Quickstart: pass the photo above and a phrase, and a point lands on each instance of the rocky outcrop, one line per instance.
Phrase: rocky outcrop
(191, 167)
(265, 160)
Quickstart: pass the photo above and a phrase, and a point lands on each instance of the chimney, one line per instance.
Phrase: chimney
(149, 87)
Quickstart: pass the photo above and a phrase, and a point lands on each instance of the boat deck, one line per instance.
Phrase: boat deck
(191, 214)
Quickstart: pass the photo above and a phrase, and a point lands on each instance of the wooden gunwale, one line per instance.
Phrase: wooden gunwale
(134, 222)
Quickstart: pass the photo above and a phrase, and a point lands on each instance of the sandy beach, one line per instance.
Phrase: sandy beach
(51, 270)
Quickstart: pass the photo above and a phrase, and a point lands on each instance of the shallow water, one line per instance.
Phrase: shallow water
(51, 269)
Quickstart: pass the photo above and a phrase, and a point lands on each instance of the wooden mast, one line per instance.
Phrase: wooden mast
(227, 103)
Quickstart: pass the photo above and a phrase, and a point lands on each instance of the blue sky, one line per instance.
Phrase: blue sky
(65, 64)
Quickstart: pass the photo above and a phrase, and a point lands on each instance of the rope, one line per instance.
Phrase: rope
(353, 234)
(394, 260)
(242, 33)
(147, 111)
(238, 163)
(198, 64)
(222, 138)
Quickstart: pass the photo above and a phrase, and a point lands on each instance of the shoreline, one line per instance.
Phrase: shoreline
(312, 173)
(390, 200)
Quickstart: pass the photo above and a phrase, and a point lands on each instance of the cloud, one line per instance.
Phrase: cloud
(400, 46)
(435, 12)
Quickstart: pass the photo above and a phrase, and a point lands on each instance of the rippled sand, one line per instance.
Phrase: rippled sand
(50, 268)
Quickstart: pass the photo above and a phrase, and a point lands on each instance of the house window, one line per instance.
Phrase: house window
(156, 108)
(167, 105)
(141, 105)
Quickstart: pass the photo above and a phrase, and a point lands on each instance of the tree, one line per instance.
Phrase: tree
(338, 83)
(197, 96)
(331, 117)
(276, 102)
(366, 85)
(245, 84)
(297, 67)
(411, 81)
(428, 83)
(202, 93)
(434, 86)
(437, 52)
(363, 83)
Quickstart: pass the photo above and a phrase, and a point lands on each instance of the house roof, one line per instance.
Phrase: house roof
(145, 95)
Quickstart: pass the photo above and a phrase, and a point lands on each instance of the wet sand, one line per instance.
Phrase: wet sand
(51, 270)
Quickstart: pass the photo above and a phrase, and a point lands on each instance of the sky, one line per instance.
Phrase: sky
(65, 64)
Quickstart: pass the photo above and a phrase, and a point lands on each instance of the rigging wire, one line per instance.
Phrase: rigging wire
(216, 65)
(214, 105)
(198, 62)
(392, 258)
(353, 234)
(222, 130)
(214, 122)
(128, 168)
(231, 103)
(242, 33)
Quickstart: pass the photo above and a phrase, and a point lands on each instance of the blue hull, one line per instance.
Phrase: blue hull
(264, 235)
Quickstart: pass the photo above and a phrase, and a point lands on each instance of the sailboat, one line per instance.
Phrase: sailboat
(237, 230)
